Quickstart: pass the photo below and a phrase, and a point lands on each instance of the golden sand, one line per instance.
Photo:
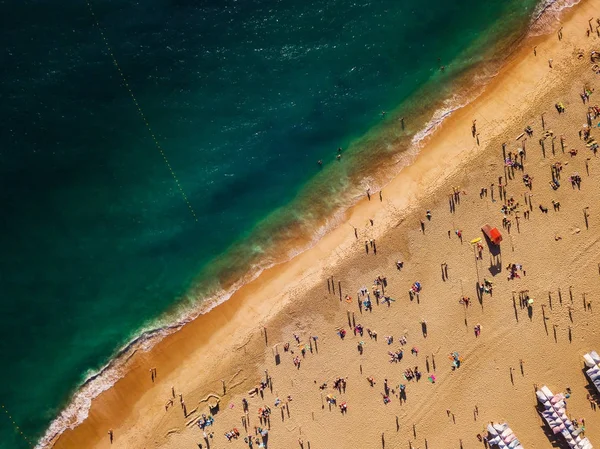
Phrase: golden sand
(235, 343)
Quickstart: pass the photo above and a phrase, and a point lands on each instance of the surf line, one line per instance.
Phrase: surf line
(137, 105)
(17, 428)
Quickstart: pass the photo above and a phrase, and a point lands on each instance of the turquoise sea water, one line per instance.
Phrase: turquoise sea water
(245, 96)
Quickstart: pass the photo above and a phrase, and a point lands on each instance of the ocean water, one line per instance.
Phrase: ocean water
(244, 96)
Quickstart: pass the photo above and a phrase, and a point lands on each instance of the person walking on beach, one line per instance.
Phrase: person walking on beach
(110, 436)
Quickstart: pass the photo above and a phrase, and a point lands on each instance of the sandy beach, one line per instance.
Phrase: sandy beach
(223, 355)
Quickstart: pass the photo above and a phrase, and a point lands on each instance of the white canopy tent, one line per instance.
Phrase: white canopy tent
(502, 436)
(555, 415)
(592, 360)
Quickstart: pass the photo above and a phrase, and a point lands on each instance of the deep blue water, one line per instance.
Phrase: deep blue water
(244, 96)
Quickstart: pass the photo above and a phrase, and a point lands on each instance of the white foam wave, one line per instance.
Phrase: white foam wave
(547, 15)
(438, 117)
(77, 411)
(95, 384)
(547, 11)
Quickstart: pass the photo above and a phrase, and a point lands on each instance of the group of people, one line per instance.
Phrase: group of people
(513, 270)
(510, 207)
(380, 284)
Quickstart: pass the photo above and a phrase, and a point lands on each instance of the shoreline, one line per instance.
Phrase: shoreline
(148, 338)
(271, 282)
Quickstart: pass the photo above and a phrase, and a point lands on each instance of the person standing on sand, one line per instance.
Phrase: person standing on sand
(110, 436)
(459, 234)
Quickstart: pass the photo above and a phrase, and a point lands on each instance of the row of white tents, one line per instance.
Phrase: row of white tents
(592, 360)
(555, 415)
(502, 436)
